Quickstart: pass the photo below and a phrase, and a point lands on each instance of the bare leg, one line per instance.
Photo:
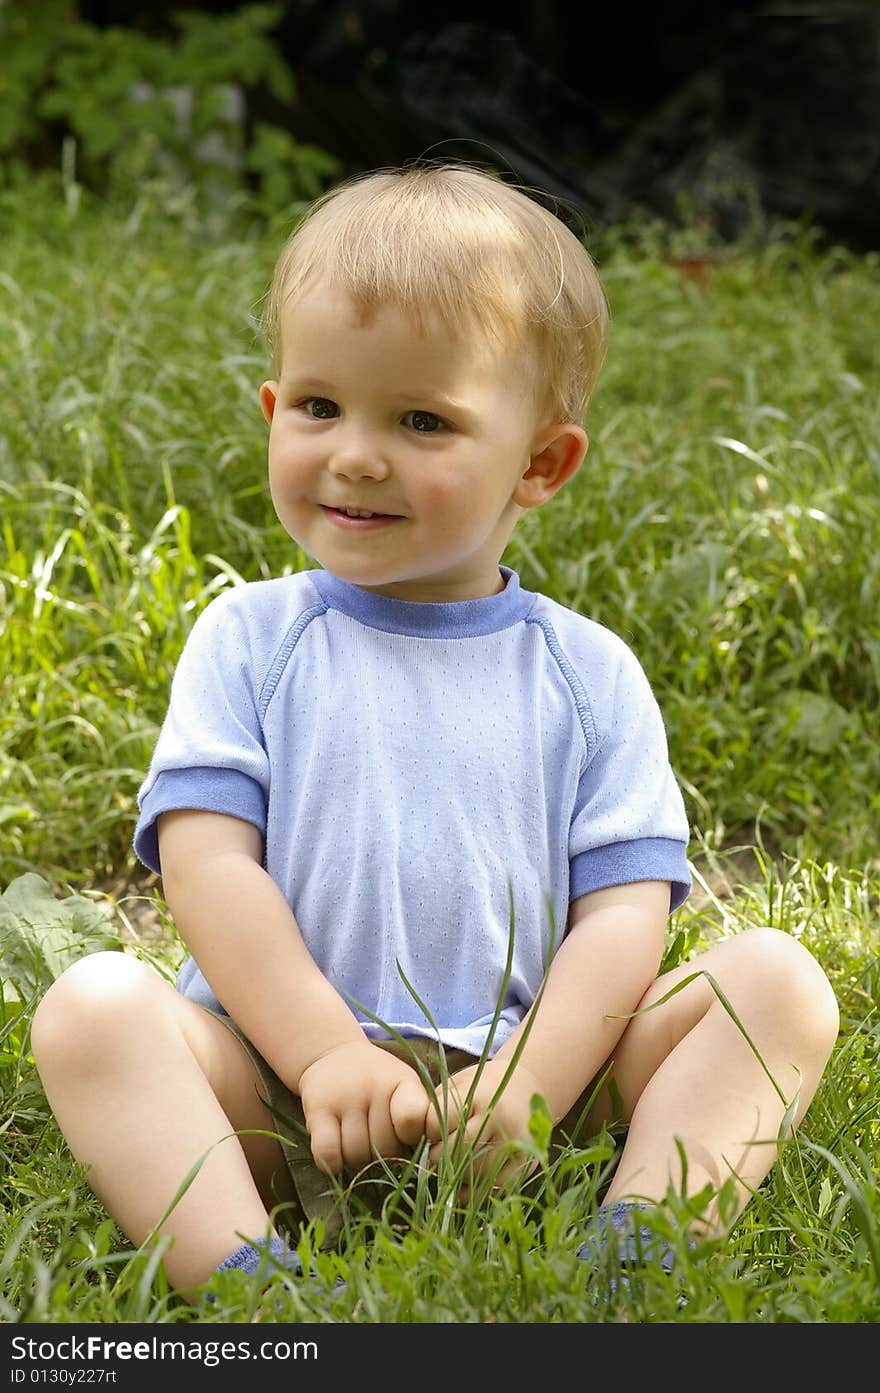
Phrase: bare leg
(142, 1084)
(685, 1070)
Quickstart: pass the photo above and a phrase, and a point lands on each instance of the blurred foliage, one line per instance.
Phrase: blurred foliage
(121, 107)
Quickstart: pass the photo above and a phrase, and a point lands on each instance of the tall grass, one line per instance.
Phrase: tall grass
(726, 523)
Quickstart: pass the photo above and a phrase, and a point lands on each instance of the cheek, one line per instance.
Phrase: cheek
(445, 484)
(287, 458)
(276, 474)
(446, 504)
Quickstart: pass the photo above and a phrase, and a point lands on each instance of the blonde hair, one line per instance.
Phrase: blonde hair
(476, 251)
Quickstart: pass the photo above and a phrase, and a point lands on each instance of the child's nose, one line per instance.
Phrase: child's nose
(358, 456)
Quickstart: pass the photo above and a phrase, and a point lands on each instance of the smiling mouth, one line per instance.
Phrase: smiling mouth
(357, 512)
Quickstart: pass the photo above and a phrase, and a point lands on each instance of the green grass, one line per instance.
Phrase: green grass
(726, 523)
(807, 1248)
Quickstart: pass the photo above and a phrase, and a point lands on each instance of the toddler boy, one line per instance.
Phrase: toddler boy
(367, 769)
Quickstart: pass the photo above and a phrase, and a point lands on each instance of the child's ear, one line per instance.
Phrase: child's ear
(268, 398)
(558, 453)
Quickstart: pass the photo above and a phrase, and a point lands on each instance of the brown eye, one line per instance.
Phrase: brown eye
(321, 408)
(424, 422)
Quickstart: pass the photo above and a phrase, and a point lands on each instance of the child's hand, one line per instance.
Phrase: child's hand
(507, 1121)
(360, 1102)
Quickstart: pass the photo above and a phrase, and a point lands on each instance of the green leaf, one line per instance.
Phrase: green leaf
(540, 1123)
(41, 935)
(811, 719)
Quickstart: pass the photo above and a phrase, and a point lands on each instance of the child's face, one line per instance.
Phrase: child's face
(436, 439)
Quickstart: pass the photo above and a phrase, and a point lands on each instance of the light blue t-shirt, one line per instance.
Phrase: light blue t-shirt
(417, 772)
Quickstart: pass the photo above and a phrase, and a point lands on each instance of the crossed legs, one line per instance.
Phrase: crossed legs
(143, 1083)
(686, 1071)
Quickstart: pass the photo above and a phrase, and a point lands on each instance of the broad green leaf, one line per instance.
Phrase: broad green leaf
(41, 935)
(809, 718)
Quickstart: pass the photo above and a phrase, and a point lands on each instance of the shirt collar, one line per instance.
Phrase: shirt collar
(458, 619)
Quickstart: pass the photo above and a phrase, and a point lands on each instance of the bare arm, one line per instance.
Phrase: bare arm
(605, 964)
(607, 961)
(358, 1100)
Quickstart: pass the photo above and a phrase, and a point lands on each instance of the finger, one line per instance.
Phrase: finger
(409, 1108)
(436, 1152)
(445, 1147)
(356, 1150)
(434, 1124)
(444, 1113)
(383, 1138)
(471, 1136)
(326, 1142)
(476, 1134)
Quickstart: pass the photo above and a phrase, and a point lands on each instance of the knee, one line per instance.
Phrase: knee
(790, 977)
(82, 1013)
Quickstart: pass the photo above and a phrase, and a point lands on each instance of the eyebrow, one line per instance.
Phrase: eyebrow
(305, 384)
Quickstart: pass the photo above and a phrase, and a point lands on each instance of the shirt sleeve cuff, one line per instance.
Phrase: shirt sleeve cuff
(206, 789)
(622, 863)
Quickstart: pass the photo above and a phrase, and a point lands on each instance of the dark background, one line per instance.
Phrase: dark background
(610, 107)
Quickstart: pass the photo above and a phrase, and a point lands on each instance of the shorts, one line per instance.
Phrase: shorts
(320, 1197)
